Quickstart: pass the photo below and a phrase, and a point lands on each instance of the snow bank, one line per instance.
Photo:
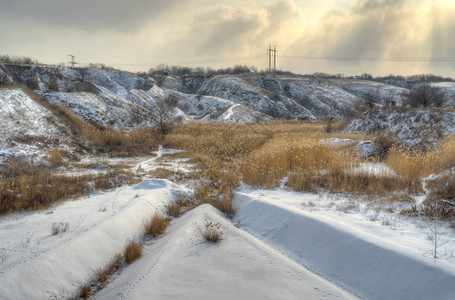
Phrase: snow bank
(40, 265)
(371, 267)
(181, 265)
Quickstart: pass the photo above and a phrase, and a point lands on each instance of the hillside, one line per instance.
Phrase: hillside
(27, 128)
(410, 127)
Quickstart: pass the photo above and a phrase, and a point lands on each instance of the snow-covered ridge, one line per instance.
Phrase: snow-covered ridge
(368, 266)
(40, 265)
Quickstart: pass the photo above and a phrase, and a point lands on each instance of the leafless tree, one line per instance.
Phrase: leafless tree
(137, 114)
(371, 98)
(426, 95)
(162, 114)
(434, 229)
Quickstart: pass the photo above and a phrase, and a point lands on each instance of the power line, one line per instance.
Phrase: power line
(379, 59)
(200, 61)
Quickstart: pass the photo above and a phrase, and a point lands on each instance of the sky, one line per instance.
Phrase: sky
(348, 37)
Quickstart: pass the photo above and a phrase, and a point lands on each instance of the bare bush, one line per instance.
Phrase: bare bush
(384, 142)
(435, 231)
(60, 227)
(156, 225)
(426, 95)
(132, 252)
(210, 231)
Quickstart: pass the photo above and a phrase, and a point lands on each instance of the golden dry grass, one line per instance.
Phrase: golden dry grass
(41, 189)
(156, 225)
(265, 154)
(418, 164)
(132, 252)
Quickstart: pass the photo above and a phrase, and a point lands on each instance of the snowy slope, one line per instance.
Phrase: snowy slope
(412, 127)
(238, 90)
(182, 266)
(365, 263)
(361, 88)
(26, 127)
(321, 97)
(205, 108)
(39, 265)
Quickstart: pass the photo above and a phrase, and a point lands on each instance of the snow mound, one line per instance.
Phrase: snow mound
(369, 266)
(181, 265)
(99, 227)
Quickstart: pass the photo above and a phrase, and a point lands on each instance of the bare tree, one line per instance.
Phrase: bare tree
(162, 114)
(434, 229)
(371, 98)
(426, 95)
(137, 114)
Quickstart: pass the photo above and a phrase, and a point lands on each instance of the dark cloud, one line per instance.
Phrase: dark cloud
(123, 15)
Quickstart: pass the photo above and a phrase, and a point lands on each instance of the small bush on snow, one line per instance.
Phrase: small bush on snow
(210, 231)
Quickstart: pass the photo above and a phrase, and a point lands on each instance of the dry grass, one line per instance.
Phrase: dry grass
(210, 231)
(156, 225)
(132, 252)
(116, 142)
(265, 154)
(179, 206)
(418, 164)
(103, 275)
(60, 227)
(26, 187)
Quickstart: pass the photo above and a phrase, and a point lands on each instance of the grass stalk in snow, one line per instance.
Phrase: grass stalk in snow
(156, 225)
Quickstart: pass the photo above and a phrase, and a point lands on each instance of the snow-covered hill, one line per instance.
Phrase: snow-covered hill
(26, 127)
(255, 97)
(385, 93)
(411, 127)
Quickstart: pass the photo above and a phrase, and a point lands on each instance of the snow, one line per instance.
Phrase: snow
(26, 127)
(183, 266)
(367, 148)
(362, 262)
(99, 227)
(410, 127)
(280, 245)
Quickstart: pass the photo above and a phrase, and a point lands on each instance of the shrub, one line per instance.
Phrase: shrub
(210, 231)
(426, 95)
(179, 206)
(156, 225)
(133, 251)
(384, 142)
(60, 227)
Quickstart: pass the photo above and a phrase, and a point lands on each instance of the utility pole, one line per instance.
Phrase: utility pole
(72, 62)
(271, 52)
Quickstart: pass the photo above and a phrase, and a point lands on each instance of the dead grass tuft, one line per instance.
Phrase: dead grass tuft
(210, 231)
(132, 252)
(156, 225)
(179, 206)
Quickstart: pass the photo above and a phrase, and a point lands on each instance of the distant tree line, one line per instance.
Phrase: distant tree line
(20, 60)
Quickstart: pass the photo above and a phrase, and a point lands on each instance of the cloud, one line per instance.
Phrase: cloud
(233, 30)
(90, 15)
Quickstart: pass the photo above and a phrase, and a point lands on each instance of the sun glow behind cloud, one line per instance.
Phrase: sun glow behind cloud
(334, 36)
